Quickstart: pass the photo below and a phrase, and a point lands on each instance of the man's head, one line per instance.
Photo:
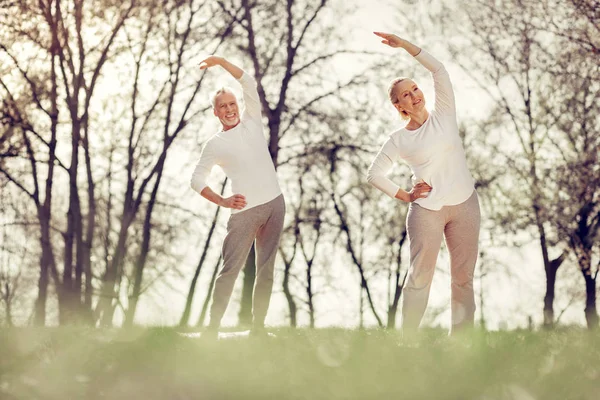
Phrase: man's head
(406, 96)
(225, 107)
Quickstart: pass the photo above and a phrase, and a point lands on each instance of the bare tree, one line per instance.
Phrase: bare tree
(396, 281)
(72, 70)
(309, 245)
(577, 21)
(207, 298)
(291, 233)
(54, 89)
(576, 173)
(551, 52)
(172, 109)
(353, 245)
(512, 73)
(309, 227)
(13, 260)
(286, 66)
(190, 297)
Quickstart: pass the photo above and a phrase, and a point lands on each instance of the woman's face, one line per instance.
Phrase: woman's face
(410, 97)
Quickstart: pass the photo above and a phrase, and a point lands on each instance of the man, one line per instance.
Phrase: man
(257, 205)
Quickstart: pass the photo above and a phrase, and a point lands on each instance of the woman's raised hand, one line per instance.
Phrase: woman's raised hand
(390, 39)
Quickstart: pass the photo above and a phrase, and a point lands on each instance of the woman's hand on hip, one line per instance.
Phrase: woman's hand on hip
(419, 191)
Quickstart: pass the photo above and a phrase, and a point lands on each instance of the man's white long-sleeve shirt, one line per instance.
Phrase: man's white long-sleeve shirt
(434, 152)
(243, 154)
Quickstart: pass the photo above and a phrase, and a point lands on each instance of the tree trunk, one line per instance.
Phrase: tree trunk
(39, 318)
(208, 294)
(88, 242)
(72, 269)
(44, 211)
(288, 295)
(108, 291)
(398, 287)
(141, 261)
(591, 313)
(393, 309)
(584, 255)
(550, 268)
(309, 272)
(349, 247)
(245, 314)
(185, 317)
(549, 297)
(140, 264)
(287, 265)
(361, 309)
(46, 260)
(7, 303)
(309, 293)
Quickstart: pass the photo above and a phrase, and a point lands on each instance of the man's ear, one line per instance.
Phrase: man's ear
(215, 112)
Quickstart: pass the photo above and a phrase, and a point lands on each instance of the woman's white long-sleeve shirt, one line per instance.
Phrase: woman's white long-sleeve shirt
(434, 152)
(243, 154)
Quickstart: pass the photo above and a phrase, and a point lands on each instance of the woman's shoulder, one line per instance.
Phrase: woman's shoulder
(397, 132)
(394, 137)
(443, 118)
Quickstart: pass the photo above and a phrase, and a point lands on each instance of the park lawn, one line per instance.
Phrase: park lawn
(159, 363)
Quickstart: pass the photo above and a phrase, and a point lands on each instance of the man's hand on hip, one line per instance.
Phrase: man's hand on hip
(237, 202)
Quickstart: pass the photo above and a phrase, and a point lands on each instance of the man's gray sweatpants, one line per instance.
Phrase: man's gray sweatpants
(264, 224)
(459, 224)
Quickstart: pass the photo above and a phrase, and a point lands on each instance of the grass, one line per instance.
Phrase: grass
(158, 363)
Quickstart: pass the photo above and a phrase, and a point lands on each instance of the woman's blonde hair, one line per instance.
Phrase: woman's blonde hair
(394, 97)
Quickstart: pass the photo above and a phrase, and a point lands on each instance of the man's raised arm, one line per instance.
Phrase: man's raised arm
(251, 98)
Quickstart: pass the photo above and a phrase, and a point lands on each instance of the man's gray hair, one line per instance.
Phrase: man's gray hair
(223, 89)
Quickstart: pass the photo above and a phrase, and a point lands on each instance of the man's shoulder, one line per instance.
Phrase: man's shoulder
(213, 140)
(251, 122)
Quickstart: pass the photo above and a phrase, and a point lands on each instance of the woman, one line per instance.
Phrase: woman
(443, 201)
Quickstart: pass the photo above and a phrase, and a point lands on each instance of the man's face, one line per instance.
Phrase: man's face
(226, 109)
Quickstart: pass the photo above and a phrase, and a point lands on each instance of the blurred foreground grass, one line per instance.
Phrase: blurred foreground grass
(158, 363)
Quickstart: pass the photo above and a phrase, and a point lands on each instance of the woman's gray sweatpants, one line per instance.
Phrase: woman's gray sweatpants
(264, 224)
(459, 224)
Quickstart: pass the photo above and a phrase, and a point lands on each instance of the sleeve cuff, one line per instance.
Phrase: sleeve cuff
(392, 191)
(198, 187)
(246, 77)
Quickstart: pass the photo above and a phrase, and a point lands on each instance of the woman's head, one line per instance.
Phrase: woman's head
(406, 96)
